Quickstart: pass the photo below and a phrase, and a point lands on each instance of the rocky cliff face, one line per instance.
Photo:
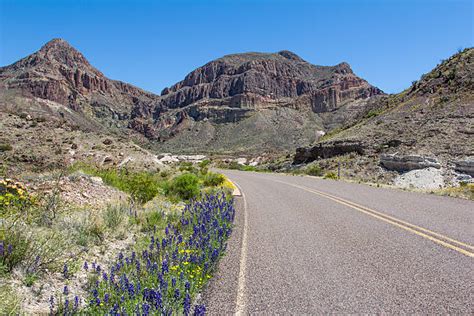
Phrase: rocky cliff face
(276, 95)
(266, 78)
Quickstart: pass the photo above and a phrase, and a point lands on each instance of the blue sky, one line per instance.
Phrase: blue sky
(153, 44)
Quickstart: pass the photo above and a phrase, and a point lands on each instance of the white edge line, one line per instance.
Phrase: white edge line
(240, 300)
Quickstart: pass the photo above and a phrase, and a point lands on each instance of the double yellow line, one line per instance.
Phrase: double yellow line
(440, 239)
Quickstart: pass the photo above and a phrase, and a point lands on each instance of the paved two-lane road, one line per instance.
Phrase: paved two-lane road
(310, 246)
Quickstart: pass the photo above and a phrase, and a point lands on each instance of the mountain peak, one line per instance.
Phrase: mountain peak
(290, 55)
(57, 42)
(60, 51)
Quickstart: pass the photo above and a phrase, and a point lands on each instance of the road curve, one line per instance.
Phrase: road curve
(308, 246)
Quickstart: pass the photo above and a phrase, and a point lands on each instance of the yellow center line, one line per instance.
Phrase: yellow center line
(420, 231)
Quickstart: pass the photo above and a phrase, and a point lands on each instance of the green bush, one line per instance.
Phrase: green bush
(314, 170)
(184, 186)
(330, 175)
(212, 179)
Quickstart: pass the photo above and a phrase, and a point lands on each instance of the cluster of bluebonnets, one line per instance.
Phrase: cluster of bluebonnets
(165, 275)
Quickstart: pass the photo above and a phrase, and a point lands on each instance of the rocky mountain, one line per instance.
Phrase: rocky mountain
(61, 74)
(250, 102)
(254, 101)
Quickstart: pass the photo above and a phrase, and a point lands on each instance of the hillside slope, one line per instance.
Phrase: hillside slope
(433, 118)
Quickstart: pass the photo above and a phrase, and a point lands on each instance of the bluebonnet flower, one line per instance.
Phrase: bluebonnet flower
(106, 298)
(187, 304)
(65, 271)
(164, 266)
(2, 248)
(10, 249)
(177, 294)
(76, 302)
(199, 310)
(146, 309)
(51, 304)
(86, 266)
(65, 290)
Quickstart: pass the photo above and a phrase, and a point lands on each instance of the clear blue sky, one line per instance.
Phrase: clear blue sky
(153, 44)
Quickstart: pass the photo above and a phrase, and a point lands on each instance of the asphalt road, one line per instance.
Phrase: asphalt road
(309, 246)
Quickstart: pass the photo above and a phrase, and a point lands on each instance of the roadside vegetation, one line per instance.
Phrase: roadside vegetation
(150, 249)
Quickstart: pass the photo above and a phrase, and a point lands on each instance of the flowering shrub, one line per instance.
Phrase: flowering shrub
(164, 276)
(13, 194)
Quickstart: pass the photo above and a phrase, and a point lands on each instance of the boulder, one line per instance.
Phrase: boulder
(465, 166)
(406, 163)
(327, 150)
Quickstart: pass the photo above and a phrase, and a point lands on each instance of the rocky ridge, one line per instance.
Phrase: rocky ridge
(252, 101)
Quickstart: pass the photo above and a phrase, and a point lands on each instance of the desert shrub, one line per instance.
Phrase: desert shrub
(248, 168)
(87, 230)
(13, 197)
(314, 170)
(114, 215)
(5, 147)
(14, 248)
(30, 279)
(373, 113)
(234, 165)
(153, 220)
(184, 186)
(186, 166)
(212, 179)
(142, 186)
(31, 250)
(330, 175)
(204, 166)
(165, 174)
